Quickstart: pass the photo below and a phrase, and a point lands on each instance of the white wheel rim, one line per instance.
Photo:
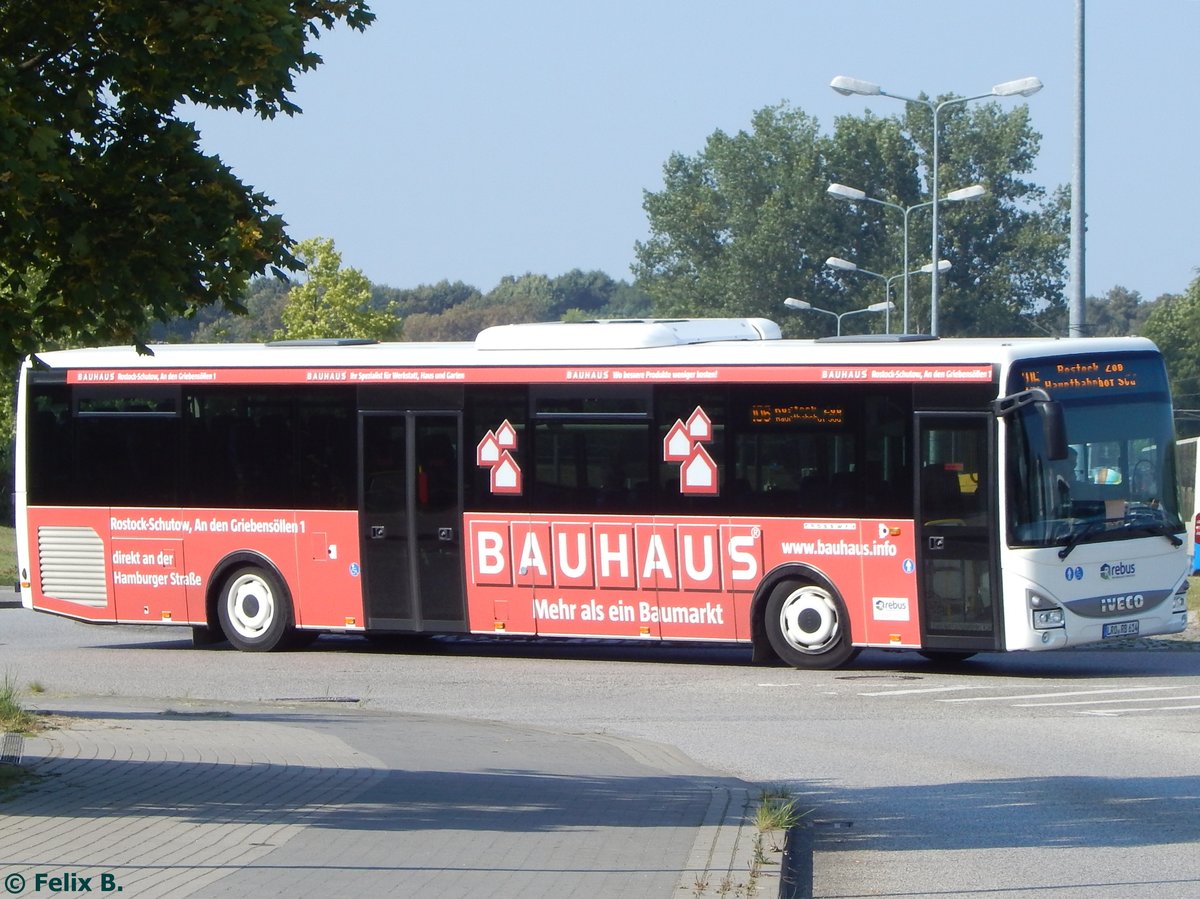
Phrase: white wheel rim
(251, 606)
(808, 619)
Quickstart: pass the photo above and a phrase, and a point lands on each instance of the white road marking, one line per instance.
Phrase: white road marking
(917, 690)
(1038, 705)
(1020, 697)
(1113, 713)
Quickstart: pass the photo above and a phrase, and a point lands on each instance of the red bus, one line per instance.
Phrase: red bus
(696, 480)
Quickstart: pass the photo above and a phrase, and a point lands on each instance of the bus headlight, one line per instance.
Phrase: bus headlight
(1179, 600)
(1046, 612)
(1044, 618)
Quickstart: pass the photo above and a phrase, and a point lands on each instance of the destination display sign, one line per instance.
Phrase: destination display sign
(796, 413)
(1080, 375)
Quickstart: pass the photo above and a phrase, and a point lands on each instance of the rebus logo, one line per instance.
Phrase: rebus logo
(1111, 570)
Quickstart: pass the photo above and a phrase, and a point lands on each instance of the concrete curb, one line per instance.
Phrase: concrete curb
(796, 876)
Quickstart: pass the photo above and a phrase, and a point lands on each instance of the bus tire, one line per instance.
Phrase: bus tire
(807, 626)
(254, 609)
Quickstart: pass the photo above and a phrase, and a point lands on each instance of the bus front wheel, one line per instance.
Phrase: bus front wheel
(807, 626)
(254, 610)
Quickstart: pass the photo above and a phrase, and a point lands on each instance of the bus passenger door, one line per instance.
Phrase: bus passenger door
(959, 589)
(411, 514)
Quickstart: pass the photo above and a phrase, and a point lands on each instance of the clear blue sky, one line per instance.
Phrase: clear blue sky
(468, 140)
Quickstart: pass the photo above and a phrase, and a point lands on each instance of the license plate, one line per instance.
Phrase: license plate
(1121, 629)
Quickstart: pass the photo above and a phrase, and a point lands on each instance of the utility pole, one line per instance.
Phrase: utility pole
(1077, 315)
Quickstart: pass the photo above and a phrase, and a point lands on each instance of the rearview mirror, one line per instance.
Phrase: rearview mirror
(1054, 429)
(1050, 412)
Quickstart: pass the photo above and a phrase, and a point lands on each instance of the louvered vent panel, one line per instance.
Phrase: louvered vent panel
(72, 565)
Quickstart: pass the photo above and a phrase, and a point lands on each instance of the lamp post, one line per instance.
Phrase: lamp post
(1025, 87)
(846, 265)
(854, 195)
(805, 306)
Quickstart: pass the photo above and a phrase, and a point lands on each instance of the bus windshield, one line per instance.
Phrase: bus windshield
(1118, 480)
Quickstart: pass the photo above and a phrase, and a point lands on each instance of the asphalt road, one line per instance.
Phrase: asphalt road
(1044, 775)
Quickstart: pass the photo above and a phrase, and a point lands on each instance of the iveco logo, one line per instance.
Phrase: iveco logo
(1128, 603)
(1110, 570)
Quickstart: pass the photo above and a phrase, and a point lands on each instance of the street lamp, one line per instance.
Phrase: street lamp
(805, 306)
(846, 265)
(854, 195)
(1024, 87)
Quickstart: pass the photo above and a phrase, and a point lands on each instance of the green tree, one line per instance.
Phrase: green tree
(1119, 312)
(106, 195)
(747, 221)
(529, 298)
(461, 322)
(1009, 249)
(456, 312)
(331, 301)
(264, 300)
(582, 295)
(1174, 325)
(742, 225)
(426, 298)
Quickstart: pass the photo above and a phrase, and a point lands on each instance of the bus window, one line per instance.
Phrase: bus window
(592, 465)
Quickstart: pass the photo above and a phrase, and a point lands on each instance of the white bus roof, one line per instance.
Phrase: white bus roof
(687, 342)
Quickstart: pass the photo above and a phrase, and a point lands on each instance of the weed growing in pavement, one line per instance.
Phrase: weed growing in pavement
(14, 717)
(774, 815)
(777, 814)
(11, 777)
(755, 867)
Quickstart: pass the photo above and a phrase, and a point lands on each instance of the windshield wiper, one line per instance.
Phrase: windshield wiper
(1077, 537)
(1157, 530)
(1140, 523)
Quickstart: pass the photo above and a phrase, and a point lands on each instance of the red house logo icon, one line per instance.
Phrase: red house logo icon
(506, 475)
(494, 453)
(677, 445)
(698, 473)
(699, 426)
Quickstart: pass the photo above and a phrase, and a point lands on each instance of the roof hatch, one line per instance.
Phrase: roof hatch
(614, 334)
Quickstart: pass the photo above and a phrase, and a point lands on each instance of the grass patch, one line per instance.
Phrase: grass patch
(12, 776)
(775, 816)
(777, 811)
(8, 556)
(14, 717)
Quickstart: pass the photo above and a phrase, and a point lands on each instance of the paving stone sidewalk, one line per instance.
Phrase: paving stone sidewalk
(225, 800)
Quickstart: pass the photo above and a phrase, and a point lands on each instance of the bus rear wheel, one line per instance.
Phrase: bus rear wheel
(807, 626)
(254, 609)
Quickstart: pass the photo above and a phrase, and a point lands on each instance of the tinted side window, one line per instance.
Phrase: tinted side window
(271, 448)
(87, 448)
(822, 451)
